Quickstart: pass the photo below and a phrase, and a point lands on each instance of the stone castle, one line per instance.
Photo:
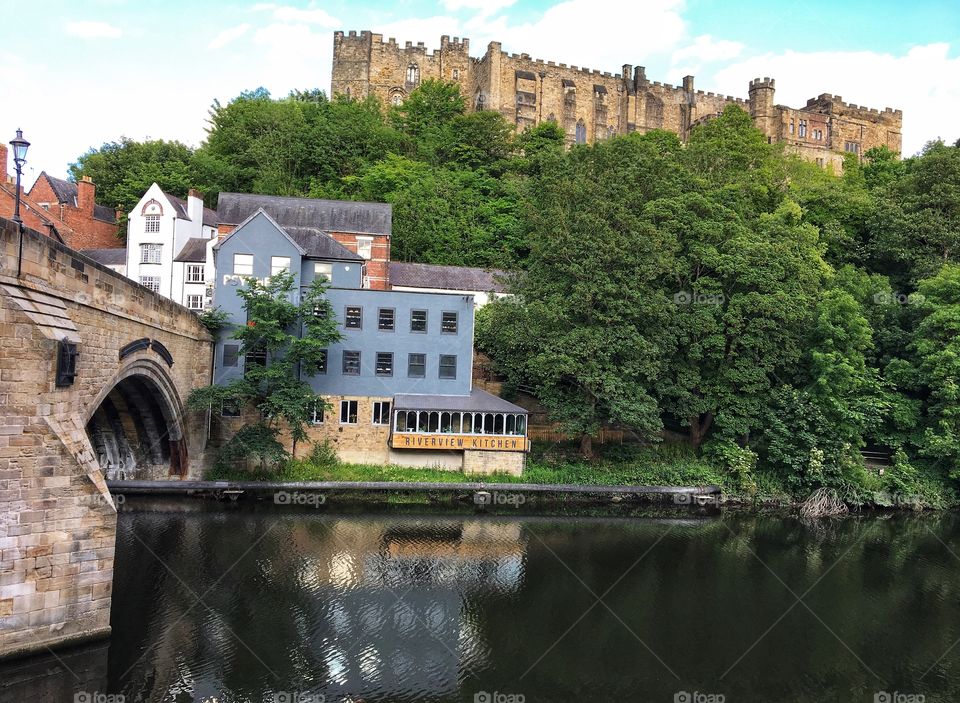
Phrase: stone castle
(591, 105)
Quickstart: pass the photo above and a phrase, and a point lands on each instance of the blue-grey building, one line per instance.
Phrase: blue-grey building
(400, 380)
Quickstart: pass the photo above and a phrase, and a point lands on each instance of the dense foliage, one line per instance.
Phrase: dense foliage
(777, 318)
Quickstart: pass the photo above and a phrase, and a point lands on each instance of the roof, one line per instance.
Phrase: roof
(477, 401)
(318, 244)
(66, 192)
(327, 215)
(210, 217)
(115, 256)
(194, 251)
(446, 277)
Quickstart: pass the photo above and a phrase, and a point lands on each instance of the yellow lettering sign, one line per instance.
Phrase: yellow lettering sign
(458, 442)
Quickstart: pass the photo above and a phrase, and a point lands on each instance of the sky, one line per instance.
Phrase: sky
(77, 73)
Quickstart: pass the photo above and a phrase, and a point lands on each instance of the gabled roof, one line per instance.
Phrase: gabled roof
(210, 217)
(326, 215)
(317, 244)
(194, 251)
(117, 256)
(446, 277)
(66, 192)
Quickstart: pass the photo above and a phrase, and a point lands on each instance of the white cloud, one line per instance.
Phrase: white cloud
(704, 49)
(288, 13)
(228, 35)
(924, 83)
(88, 29)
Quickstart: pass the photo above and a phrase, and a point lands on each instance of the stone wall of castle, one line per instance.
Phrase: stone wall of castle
(592, 105)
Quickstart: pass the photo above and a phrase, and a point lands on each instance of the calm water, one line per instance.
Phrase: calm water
(243, 603)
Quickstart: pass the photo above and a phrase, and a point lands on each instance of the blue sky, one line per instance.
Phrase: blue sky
(88, 71)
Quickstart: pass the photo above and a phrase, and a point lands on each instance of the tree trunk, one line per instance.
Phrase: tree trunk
(699, 429)
(586, 446)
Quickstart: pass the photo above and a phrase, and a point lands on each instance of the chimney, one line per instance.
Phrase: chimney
(4, 177)
(86, 195)
(195, 211)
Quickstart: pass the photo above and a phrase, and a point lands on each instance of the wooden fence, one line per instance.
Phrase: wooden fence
(550, 434)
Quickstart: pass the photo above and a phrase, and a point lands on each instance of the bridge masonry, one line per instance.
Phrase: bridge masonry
(135, 357)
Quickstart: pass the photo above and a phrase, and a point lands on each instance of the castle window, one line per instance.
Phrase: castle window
(456, 74)
(792, 127)
(481, 103)
(580, 136)
(803, 128)
(396, 98)
(413, 74)
(852, 147)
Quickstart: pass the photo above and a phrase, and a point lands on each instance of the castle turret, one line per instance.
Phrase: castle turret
(762, 105)
(351, 63)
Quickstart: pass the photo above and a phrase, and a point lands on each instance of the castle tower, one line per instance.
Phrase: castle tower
(762, 106)
(351, 64)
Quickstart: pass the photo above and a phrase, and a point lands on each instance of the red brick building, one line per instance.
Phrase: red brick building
(61, 209)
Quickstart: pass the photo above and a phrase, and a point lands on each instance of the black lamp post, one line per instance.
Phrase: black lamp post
(20, 146)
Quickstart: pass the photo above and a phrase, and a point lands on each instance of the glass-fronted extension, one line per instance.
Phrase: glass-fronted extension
(434, 421)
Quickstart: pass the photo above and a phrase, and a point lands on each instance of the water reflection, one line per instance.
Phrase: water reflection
(242, 604)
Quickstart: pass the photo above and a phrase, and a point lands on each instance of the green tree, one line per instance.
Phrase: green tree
(428, 110)
(274, 389)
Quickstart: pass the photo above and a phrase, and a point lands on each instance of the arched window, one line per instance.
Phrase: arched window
(413, 74)
(481, 103)
(396, 98)
(580, 137)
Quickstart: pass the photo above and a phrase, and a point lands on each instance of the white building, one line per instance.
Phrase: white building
(170, 246)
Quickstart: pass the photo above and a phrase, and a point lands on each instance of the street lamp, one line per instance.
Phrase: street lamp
(20, 146)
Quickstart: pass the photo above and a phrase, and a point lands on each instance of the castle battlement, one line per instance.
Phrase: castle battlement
(618, 103)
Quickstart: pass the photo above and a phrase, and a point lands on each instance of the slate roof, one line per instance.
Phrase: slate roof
(446, 277)
(194, 251)
(116, 256)
(66, 192)
(477, 401)
(327, 215)
(210, 217)
(318, 244)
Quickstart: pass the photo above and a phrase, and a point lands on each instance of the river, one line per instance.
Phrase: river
(224, 602)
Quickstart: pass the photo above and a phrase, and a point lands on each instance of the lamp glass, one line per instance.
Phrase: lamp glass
(20, 146)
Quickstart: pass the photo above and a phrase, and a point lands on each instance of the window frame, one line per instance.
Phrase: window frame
(367, 245)
(346, 317)
(191, 270)
(410, 365)
(456, 322)
(328, 275)
(376, 368)
(381, 420)
(393, 320)
(356, 412)
(273, 264)
(151, 224)
(235, 264)
(192, 296)
(426, 321)
(148, 248)
(149, 286)
(440, 368)
(235, 355)
(313, 413)
(343, 362)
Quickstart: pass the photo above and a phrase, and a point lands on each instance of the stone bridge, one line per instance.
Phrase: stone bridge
(94, 373)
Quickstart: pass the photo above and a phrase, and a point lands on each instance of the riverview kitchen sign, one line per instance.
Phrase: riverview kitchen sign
(456, 441)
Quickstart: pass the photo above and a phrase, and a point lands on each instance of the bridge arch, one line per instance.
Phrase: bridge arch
(136, 424)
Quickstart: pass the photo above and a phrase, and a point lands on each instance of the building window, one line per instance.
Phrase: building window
(413, 74)
(381, 412)
(322, 362)
(385, 320)
(417, 365)
(151, 283)
(397, 99)
(255, 357)
(195, 273)
(195, 302)
(384, 364)
(231, 354)
(322, 270)
(243, 264)
(580, 134)
(230, 409)
(448, 366)
(448, 323)
(365, 247)
(803, 128)
(818, 134)
(151, 223)
(353, 319)
(150, 253)
(456, 74)
(792, 126)
(351, 363)
(279, 264)
(852, 147)
(418, 320)
(348, 412)
(316, 413)
(481, 103)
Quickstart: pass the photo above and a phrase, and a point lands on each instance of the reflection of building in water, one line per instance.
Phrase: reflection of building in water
(393, 608)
